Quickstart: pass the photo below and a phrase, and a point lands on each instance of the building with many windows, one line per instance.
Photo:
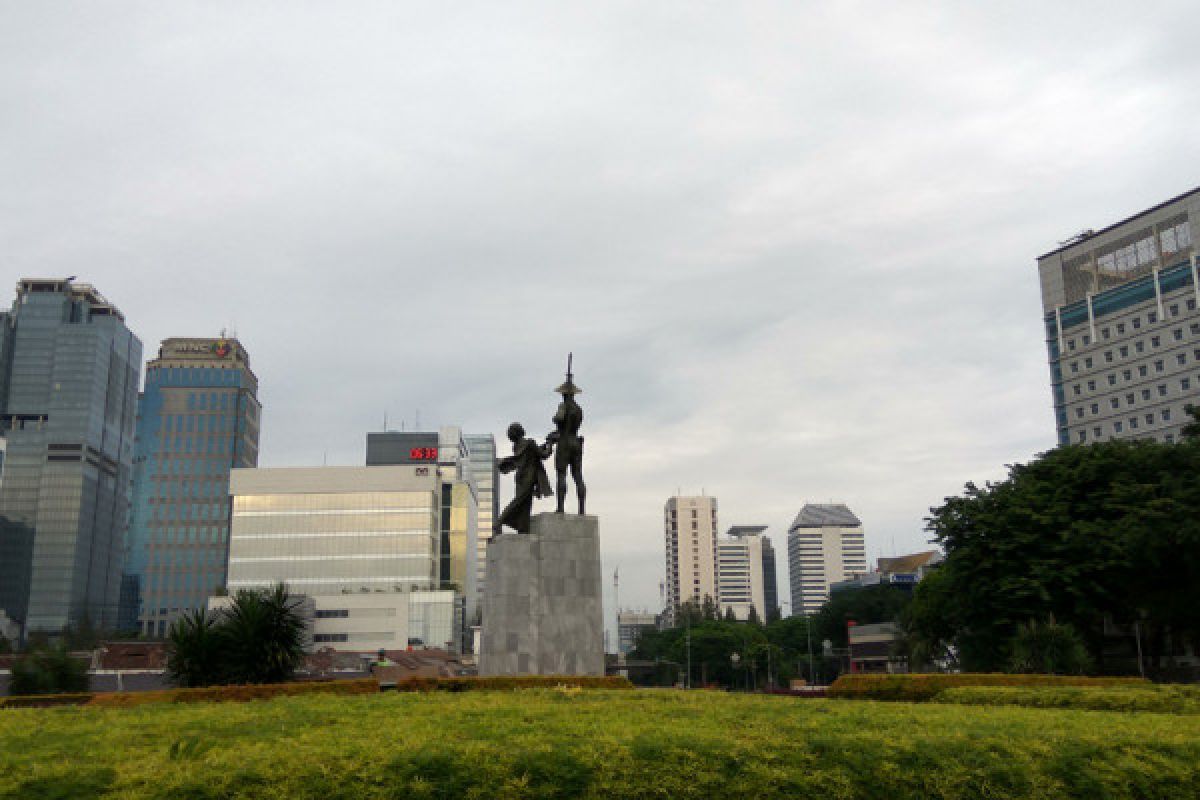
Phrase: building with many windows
(743, 574)
(68, 399)
(333, 533)
(826, 544)
(690, 534)
(481, 462)
(1122, 325)
(198, 418)
(630, 625)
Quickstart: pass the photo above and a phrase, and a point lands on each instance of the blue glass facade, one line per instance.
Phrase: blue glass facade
(68, 391)
(198, 418)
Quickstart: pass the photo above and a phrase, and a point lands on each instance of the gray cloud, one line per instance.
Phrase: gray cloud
(792, 248)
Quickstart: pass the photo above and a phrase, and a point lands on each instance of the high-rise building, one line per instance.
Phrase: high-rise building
(741, 571)
(1123, 327)
(481, 461)
(341, 534)
(825, 545)
(690, 532)
(68, 394)
(198, 418)
(447, 450)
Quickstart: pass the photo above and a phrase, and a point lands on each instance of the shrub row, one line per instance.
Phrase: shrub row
(1166, 699)
(511, 682)
(202, 695)
(917, 687)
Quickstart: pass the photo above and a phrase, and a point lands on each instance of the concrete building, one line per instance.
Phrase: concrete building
(872, 648)
(1123, 327)
(68, 399)
(198, 418)
(690, 533)
(742, 574)
(630, 625)
(468, 496)
(825, 544)
(481, 463)
(348, 537)
(901, 572)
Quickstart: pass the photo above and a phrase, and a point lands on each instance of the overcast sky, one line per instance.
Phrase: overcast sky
(792, 245)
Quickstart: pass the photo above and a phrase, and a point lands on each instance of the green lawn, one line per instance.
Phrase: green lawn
(552, 744)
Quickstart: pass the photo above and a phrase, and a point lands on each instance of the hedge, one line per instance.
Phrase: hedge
(511, 682)
(917, 687)
(1173, 699)
(200, 695)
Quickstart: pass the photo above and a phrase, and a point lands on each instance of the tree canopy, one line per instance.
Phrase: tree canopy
(1081, 534)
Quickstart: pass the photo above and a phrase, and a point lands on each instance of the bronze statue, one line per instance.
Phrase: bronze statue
(531, 479)
(567, 441)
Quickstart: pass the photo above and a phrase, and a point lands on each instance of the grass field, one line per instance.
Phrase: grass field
(588, 743)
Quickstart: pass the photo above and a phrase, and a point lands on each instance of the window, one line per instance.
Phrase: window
(1143, 371)
(1133, 423)
(1079, 412)
(1162, 390)
(1097, 432)
(1070, 344)
(1145, 394)
(1114, 402)
(1166, 415)
(1155, 341)
(1181, 358)
(1152, 317)
(1112, 379)
(1185, 384)
(1108, 356)
(1083, 436)
(1118, 426)
(1149, 419)
(1195, 328)
(1105, 332)
(1129, 399)
(1139, 347)
(1120, 327)
(1076, 389)
(1087, 362)
(1174, 309)
(1095, 408)
(330, 637)
(1124, 351)
(1091, 386)
(1169, 438)
(1191, 304)
(1086, 340)
(1074, 366)
(1158, 365)
(1178, 334)
(1137, 323)
(1127, 375)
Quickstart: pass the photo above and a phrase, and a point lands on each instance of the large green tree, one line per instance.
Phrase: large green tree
(1080, 534)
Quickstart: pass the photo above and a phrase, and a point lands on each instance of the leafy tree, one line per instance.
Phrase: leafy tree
(194, 645)
(1191, 430)
(709, 608)
(48, 671)
(6, 646)
(1050, 649)
(729, 615)
(774, 614)
(262, 635)
(752, 617)
(1082, 533)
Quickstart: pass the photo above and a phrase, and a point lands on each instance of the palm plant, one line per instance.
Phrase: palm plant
(194, 644)
(264, 635)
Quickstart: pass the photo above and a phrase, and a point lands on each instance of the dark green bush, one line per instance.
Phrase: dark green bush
(1049, 649)
(48, 671)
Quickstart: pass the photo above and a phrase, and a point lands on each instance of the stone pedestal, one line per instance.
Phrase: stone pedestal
(542, 606)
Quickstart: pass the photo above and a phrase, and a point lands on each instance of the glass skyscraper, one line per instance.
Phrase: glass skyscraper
(68, 395)
(481, 462)
(198, 418)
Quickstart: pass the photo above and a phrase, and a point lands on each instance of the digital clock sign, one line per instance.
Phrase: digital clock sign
(402, 447)
(423, 454)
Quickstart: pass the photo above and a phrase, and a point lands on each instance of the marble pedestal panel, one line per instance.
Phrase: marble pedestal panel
(542, 605)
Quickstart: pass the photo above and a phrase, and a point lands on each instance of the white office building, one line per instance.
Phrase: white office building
(690, 534)
(363, 543)
(826, 544)
(741, 575)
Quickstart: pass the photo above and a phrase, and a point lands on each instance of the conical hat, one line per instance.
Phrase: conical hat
(569, 388)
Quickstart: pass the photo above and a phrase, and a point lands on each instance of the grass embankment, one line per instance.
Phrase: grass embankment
(580, 743)
(1169, 699)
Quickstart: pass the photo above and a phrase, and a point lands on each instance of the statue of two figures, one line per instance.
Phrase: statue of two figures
(564, 443)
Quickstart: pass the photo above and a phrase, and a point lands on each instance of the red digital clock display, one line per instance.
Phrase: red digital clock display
(423, 454)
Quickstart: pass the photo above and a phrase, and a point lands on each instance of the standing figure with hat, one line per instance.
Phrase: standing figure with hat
(568, 444)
